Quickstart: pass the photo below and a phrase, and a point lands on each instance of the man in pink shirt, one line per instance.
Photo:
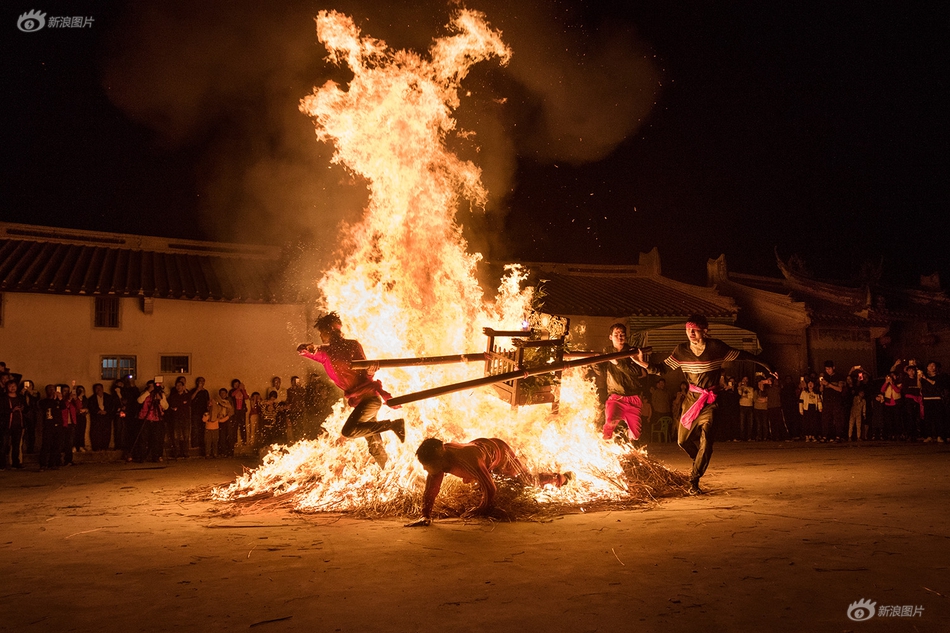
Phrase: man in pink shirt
(362, 393)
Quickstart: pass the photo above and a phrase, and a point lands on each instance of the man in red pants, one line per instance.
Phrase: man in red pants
(474, 461)
(362, 393)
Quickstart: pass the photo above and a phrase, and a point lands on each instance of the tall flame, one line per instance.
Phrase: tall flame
(405, 284)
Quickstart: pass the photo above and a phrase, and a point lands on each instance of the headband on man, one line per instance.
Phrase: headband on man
(696, 326)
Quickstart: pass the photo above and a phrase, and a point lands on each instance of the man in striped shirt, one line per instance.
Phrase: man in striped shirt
(701, 360)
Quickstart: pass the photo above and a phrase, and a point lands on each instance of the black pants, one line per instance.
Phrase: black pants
(179, 433)
(69, 437)
(29, 434)
(155, 432)
(225, 443)
(833, 421)
(51, 446)
(934, 418)
(746, 424)
(10, 446)
(79, 435)
(198, 432)
(363, 423)
(100, 428)
(777, 423)
(698, 441)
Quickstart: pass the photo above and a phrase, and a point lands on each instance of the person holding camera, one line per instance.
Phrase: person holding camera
(151, 440)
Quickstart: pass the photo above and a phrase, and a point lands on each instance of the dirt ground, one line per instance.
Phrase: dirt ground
(790, 536)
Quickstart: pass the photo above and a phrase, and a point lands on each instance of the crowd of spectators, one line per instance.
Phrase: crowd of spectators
(154, 423)
(909, 403)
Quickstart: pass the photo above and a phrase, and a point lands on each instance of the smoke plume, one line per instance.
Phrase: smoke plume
(224, 80)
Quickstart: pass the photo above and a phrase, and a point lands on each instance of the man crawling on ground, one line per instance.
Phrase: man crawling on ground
(474, 461)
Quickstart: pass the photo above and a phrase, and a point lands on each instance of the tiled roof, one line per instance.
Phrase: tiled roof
(54, 261)
(847, 305)
(610, 291)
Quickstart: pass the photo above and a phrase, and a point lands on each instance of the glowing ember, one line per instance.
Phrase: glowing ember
(405, 286)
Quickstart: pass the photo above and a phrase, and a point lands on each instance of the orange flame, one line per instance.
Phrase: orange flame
(406, 285)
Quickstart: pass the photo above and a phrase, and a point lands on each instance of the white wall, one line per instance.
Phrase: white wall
(51, 339)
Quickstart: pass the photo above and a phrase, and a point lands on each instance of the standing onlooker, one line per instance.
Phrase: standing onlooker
(221, 411)
(273, 432)
(913, 403)
(760, 408)
(662, 400)
(281, 402)
(934, 387)
(257, 434)
(858, 414)
(746, 409)
(151, 415)
(102, 408)
(809, 406)
(52, 440)
(777, 427)
(876, 432)
(237, 425)
(132, 440)
(833, 421)
(200, 404)
(31, 399)
(81, 436)
(891, 390)
(789, 396)
(12, 421)
(727, 412)
(179, 420)
(70, 415)
(211, 435)
(296, 408)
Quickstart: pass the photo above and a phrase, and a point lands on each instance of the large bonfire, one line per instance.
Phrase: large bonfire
(405, 286)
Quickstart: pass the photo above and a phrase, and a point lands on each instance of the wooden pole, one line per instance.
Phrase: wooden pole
(520, 373)
(420, 360)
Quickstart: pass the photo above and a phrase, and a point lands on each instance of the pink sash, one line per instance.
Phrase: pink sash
(706, 396)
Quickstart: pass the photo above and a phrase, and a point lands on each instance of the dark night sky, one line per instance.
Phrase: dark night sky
(811, 127)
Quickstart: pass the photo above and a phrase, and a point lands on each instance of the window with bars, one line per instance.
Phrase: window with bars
(107, 312)
(175, 364)
(114, 367)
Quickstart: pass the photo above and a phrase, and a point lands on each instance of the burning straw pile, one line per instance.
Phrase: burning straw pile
(644, 481)
(406, 286)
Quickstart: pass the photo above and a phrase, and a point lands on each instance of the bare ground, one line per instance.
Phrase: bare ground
(788, 538)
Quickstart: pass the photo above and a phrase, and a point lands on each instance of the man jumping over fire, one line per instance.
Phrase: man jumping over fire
(362, 393)
(701, 360)
(474, 461)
